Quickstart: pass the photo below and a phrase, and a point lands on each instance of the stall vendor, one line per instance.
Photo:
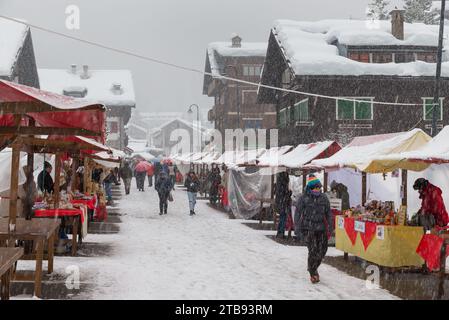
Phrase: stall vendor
(44, 179)
(432, 201)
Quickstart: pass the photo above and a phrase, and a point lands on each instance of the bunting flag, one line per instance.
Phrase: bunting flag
(368, 236)
(350, 231)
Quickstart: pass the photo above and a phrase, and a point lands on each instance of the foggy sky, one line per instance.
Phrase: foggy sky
(173, 30)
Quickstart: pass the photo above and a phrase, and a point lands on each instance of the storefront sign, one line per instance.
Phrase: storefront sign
(359, 226)
(380, 232)
(340, 222)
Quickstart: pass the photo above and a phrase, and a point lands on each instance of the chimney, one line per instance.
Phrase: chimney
(73, 68)
(397, 23)
(85, 74)
(236, 41)
(117, 88)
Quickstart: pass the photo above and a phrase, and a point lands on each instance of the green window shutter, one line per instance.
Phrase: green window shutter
(282, 118)
(345, 110)
(363, 110)
(428, 109)
(301, 111)
(288, 115)
(304, 110)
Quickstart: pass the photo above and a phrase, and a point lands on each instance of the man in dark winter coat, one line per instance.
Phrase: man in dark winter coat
(342, 193)
(282, 200)
(314, 222)
(44, 179)
(192, 184)
(127, 175)
(163, 187)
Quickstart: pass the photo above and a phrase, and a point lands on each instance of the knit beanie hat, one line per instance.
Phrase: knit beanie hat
(313, 182)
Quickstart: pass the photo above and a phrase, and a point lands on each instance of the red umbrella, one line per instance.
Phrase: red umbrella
(142, 166)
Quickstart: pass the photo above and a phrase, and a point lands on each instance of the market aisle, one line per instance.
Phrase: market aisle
(206, 256)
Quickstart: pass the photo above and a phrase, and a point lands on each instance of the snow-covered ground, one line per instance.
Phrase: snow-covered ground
(207, 256)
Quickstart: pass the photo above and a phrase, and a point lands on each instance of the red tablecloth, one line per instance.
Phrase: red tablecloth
(51, 213)
(91, 203)
(430, 250)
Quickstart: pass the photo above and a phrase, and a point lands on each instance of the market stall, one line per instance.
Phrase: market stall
(376, 230)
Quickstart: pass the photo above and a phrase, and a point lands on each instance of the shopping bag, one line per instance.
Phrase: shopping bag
(170, 197)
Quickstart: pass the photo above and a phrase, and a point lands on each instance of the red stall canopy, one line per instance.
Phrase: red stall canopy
(49, 110)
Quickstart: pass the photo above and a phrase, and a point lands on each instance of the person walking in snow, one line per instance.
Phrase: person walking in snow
(282, 201)
(192, 184)
(127, 174)
(314, 222)
(150, 173)
(163, 187)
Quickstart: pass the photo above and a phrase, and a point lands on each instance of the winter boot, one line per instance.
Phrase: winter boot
(191, 212)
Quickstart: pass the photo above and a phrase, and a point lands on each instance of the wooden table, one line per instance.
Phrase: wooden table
(8, 258)
(39, 231)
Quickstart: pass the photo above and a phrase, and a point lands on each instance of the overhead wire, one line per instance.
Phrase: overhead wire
(193, 70)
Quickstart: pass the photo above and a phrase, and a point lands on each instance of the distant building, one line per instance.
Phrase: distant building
(236, 103)
(163, 136)
(17, 59)
(143, 124)
(113, 88)
(357, 60)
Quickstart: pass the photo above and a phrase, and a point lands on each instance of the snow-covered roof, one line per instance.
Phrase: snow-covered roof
(309, 46)
(99, 84)
(12, 39)
(186, 123)
(216, 51)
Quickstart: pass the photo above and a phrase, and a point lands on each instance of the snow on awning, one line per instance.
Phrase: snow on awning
(271, 157)
(436, 151)
(305, 153)
(362, 152)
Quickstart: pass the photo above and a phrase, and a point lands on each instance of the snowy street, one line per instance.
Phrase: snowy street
(207, 256)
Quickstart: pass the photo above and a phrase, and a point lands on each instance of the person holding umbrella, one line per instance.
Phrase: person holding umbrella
(141, 173)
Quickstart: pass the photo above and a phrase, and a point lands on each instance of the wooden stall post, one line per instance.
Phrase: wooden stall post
(442, 272)
(13, 190)
(75, 164)
(304, 180)
(364, 183)
(272, 201)
(86, 174)
(404, 187)
(57, 180)
(28, 205)
(325, 182)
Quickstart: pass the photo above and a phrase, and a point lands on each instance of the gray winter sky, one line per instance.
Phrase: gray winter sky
(173, 30)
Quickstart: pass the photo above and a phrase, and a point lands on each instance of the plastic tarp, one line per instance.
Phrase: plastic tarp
(362, 151)
(305, 153)
(245, 191)
(5, 169)
(435, 151)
